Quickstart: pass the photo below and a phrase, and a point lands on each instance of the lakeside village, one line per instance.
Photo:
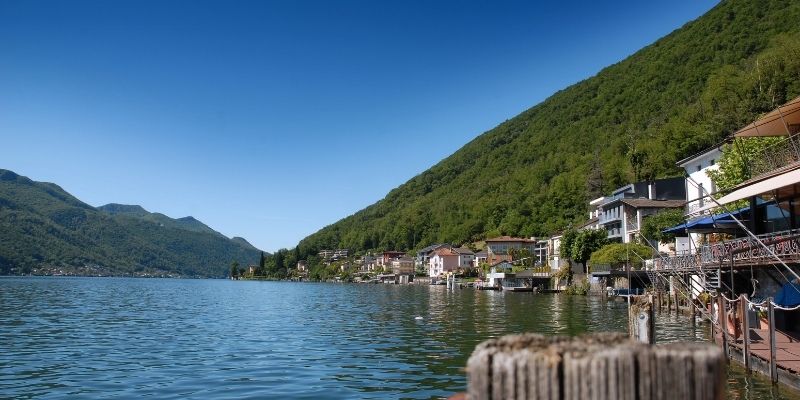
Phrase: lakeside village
(731, 258)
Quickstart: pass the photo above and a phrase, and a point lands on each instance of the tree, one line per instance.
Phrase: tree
(587, 242)
(653, 225)
(235, 270)
(617, 254)
(736, 159)
(567, 240)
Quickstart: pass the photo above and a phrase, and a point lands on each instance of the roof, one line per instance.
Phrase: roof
(649, 203)
(445, 252)
(687, 160)
(502, 262)
(482, 253)
(782, 121)
(510, 239)
(432, 247)
(463, 250)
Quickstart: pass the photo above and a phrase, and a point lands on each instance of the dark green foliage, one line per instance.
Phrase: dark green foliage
(653, 225)
(618, 254)
(532, 174)
(567, 241)
(42, 226)
(734, 164)
(587, 242)
(235, 269)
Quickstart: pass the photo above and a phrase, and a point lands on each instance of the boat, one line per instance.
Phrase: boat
(517, 288)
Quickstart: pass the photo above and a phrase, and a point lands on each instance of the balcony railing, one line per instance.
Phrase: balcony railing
(604, 219)
(739, 252)
(776, 156)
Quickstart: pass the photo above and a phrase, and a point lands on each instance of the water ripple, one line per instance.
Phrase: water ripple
(171, 339)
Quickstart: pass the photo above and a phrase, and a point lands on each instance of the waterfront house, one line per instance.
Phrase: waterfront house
(442, 261)
(466, 258)
(424, 254)
(554, 253)
(498, 248)
(699, 189)
(384, 261)
(403, 266)
(479, 258)
(540, 251)
(499, 271)
(621, 214)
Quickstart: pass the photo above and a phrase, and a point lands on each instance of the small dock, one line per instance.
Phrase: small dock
(787, 354)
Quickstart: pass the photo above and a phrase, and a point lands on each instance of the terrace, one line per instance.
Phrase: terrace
(737, 253)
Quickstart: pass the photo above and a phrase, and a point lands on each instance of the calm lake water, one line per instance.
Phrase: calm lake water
(168, 338)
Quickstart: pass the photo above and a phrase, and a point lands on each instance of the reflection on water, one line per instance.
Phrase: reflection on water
(93, 337)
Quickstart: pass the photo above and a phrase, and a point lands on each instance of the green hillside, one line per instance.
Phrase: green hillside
(533, 174)
(185, 223)
(42, 227)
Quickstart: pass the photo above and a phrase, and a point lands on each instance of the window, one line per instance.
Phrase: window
(699, 167)
(711, 162)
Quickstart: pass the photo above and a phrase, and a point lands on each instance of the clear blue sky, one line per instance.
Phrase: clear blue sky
(272, 119)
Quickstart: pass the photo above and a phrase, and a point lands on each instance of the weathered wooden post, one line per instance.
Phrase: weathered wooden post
(745, 332)
(669, 302)
(677, 304)
(723, 324)
(773, 365)
(600, 366)
(642, 320)
(660, 301)
(692, 312)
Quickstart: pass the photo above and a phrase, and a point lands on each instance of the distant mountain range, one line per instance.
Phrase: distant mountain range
(534, 174)
(45, 230)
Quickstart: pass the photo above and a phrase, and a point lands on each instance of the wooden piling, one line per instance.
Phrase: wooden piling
(773, 365)
(745, 332)
(642, 320)
(677, 304)
(669, 302)
(723, 324)
(600, 366)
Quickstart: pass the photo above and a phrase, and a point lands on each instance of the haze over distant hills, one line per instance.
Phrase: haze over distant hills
(534, 174)
(43, 228)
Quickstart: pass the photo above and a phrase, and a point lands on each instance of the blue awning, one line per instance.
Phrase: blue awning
(788, 296)
(709, 223)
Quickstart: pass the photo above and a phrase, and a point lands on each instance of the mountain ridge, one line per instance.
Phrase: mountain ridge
(46, 230)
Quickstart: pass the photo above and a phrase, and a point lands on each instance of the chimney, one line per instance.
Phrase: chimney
(651, 191)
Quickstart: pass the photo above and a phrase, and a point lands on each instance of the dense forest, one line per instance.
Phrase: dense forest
(43, 228)
(533, 174)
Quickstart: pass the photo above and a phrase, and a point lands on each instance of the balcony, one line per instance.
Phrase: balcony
(607, 219)
(741, 252)
(776, 156)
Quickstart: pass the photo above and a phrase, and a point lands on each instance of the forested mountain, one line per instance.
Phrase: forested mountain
(186, 223)
(44, 228)
(533, 174)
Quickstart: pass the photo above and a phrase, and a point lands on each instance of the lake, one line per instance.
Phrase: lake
(173, 338)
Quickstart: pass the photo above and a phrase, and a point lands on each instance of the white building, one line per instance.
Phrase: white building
(699, 187)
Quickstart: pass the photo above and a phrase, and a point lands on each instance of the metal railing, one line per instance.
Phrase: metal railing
(743, 251)
(776, 156)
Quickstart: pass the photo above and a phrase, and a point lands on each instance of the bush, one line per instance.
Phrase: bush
(617, 254)
(578, 288)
